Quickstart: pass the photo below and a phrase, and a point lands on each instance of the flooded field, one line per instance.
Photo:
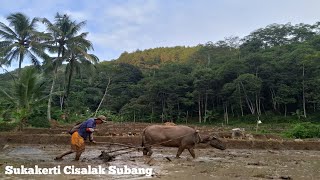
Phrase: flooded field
(209, 164)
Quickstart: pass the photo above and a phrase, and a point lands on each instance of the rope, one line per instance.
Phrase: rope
(119, 149)
(124, 152)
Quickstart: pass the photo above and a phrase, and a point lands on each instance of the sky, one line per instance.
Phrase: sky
(116, 26)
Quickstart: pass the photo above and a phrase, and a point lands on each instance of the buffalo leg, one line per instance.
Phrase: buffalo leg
(147, 151)
(191, 151)
(180, 150)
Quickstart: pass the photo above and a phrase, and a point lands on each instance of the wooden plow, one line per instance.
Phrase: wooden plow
(110, 155)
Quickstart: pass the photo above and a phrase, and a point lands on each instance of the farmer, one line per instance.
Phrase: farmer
(78, 137)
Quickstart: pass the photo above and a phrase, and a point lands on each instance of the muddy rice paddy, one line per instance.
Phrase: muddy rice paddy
(258, 159)
(210, 163)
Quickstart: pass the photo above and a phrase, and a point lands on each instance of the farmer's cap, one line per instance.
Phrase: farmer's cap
(102, 118)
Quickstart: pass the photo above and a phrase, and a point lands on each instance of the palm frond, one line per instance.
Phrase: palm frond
(10, 47)
(20, 93)
(13, 54)
(80, 41)
(7, 33)
(5, 44)
(93, 58)
(6, 95)
(51, 28)
(20, 22)
(45, 21)
(34, 59)
(33, 24)
(40, 36)
(77, 67)
(33, 83)
(75, 28)
(52, 49)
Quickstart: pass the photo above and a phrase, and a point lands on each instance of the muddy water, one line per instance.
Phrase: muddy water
(209, 164)
(31, 155)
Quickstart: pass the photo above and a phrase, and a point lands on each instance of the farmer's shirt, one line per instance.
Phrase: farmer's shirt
(90, 123)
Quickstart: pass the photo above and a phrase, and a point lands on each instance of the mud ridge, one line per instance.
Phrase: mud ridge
(22, 138)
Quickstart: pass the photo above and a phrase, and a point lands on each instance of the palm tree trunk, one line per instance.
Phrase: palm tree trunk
(55, 72)
(70, 76)
(61, 98)
(50, 95)
(20, 63)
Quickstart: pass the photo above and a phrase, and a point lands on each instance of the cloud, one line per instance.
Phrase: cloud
(122, 25)
(132, 12)
(78, 15)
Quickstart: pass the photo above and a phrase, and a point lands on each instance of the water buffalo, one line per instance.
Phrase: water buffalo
(183, 137)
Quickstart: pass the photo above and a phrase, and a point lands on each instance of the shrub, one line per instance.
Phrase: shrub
(304, 130)
(6, 126)
(38, 118)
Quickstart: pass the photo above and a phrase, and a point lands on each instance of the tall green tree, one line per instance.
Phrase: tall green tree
(69, 45)
(77, 56)
(21, 40)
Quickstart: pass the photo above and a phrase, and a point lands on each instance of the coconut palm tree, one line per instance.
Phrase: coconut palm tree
(65, 39)
(78, 56)
(20, 40)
